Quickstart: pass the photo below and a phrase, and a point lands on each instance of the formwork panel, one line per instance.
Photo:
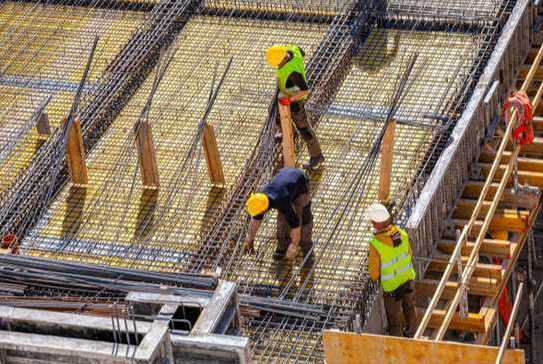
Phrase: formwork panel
(113, 221)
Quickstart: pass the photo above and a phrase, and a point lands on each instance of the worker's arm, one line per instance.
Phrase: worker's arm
(254, 225)
(299, 95)
(294, 222)
(295, 237)
(374, 263)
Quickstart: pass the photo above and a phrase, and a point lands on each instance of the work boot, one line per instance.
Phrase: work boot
(279, 254)
(314, 162)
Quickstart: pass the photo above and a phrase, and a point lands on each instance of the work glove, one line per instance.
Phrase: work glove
(284, 101)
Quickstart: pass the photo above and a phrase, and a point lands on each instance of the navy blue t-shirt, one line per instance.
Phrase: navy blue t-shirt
(283, 189)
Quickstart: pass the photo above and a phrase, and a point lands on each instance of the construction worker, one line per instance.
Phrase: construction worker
(390, 260)
(293, 91)
(288, 192)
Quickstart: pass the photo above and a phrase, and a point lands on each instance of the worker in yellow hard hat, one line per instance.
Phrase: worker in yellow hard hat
(390, 261)
(288, 193)
(293, 91)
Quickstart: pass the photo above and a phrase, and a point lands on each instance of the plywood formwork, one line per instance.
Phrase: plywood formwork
(104, 223)
(46, 47)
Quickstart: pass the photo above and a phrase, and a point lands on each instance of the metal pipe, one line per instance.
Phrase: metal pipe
(510, 325)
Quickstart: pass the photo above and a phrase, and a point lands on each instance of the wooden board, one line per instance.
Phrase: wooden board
(386, 162)
(213, 158)
(75, 154)
(343, 348)
(289, 154)
(147, 156)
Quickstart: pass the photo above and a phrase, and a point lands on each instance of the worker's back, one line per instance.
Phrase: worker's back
(289, 183)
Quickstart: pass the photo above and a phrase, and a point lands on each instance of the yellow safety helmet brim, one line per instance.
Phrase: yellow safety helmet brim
(276, 54)
(257, 204)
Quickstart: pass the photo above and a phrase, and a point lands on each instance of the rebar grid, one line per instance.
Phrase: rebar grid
(44, 58)
(277, 337)
(340, 278)
(110, 220)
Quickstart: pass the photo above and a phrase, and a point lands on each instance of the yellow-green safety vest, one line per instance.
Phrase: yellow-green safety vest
(296, 64)
(396, 264)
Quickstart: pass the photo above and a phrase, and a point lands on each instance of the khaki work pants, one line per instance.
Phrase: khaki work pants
(299, 117)
(401, 311)
(302, 205)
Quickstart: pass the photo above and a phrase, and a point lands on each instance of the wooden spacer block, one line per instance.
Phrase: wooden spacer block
(43, 127)
(289, 154)
(213, 158)
(147, 156)
(386, 162)
(75, 154)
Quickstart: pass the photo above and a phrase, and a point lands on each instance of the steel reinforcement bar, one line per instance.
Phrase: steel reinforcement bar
(326, 70)
(25, 201)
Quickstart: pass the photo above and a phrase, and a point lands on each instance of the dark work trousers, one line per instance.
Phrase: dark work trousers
(299, 117)
(302, 205)
(400, 308)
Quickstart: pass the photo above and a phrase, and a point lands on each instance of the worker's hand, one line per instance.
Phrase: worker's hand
(284, 101)
(292, 252)
(249, 247)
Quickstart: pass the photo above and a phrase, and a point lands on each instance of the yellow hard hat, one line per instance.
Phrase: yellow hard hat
(257, 204)
(276, 54)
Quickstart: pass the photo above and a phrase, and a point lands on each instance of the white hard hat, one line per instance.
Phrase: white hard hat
(378, 213)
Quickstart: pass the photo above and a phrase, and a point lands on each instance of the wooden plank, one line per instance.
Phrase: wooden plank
(474, 322)
(535, 149)
(491, 247)
(213, 158)
(481, 269)
(524, 69)
(524, 163)
(509, 222)
(289, 153)
(386, 162)
(538, 124)
(75, 154)
(520, 199)
(351, 348)
(478, 286)
(147, 156)
(465, 207)
(532, 178)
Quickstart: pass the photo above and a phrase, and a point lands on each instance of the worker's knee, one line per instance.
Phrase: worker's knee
(307, 134)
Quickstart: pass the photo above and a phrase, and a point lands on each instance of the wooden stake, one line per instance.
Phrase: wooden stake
(43, 127)
(213, 158)
(289, 155)
(386, 162)
(147, 156)
(75, 154)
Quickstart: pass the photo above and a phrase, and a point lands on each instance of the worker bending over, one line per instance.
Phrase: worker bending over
(390, 260)
(288, 193)
(293, 91)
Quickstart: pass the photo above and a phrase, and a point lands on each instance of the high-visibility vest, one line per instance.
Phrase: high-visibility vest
(296, 64)
(396, 264)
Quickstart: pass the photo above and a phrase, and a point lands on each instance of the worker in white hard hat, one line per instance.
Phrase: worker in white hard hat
(293, 91)
(390, 261)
